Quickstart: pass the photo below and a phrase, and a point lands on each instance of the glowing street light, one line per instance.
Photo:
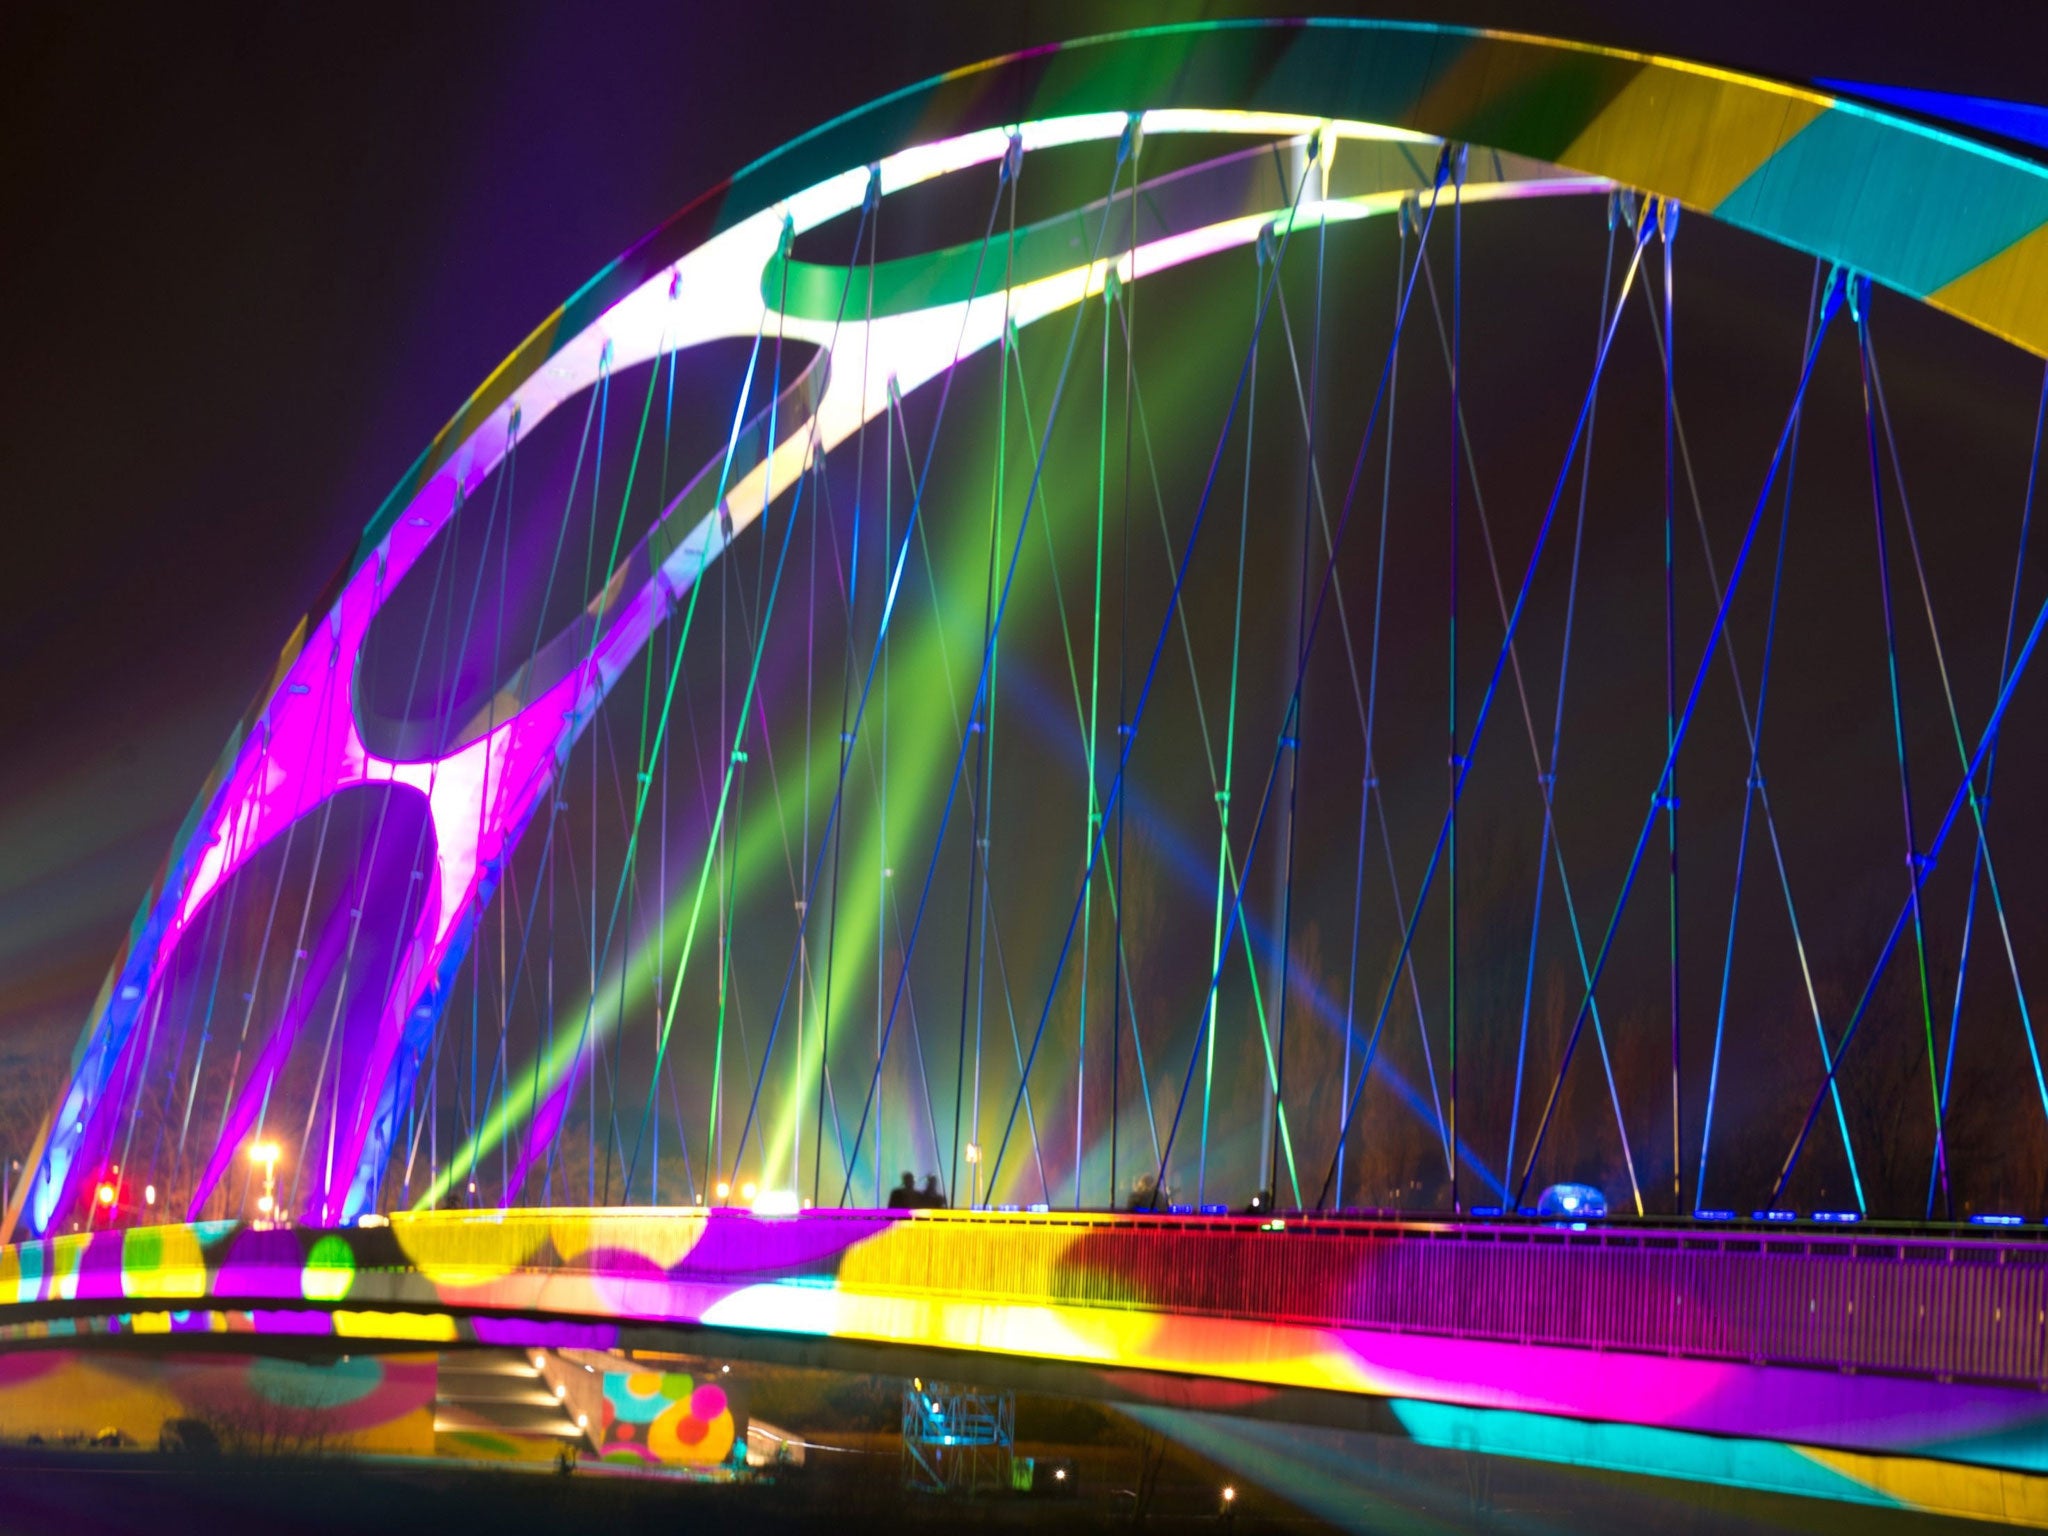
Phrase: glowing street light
(264, 1154)
(973, 1150)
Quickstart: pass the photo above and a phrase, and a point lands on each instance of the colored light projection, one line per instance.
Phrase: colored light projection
(307, 745)
(381, 1403)
(666, 1418)
(1763, 156)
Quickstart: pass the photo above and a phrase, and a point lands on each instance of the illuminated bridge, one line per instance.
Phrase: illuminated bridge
(1183, 637)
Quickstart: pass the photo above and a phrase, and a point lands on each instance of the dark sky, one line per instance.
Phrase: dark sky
(253, 259)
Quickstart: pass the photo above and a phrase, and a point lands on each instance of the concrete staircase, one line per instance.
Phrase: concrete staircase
(493, 1403)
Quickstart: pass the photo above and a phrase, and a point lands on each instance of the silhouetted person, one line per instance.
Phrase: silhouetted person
(929, 1197)
(904, 1196)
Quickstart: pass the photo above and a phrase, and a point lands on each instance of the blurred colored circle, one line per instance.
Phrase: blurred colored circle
(707, 1402)
(680, 1436)
(330, 1270)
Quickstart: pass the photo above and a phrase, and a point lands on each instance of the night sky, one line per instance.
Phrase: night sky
(254, 261)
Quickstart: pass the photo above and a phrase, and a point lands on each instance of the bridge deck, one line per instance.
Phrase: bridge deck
(1871, 1340)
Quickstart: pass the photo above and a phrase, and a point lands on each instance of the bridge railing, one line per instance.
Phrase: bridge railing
(1931, 1306)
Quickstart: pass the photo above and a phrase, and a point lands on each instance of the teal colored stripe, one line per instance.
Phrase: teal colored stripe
(1915, 208)
(1760, 1464)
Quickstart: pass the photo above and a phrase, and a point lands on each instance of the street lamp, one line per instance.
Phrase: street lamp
(974, 1168)
(264, 1154)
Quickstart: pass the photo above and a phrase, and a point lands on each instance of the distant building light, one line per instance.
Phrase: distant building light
(149, 1194)
(748, 1190)
(106, 1194)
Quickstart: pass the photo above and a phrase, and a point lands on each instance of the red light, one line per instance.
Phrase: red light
(106, 1194)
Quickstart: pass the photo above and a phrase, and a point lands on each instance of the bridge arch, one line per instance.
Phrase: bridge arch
(1943, 220)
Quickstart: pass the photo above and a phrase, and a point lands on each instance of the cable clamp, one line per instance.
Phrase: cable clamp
(1460, 761)
(1223, 797)
(846, 738)
(644, 778)
(1920, 863)
(1664, 802)
(1292, 743)
(1547, 780)
(739, 754)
